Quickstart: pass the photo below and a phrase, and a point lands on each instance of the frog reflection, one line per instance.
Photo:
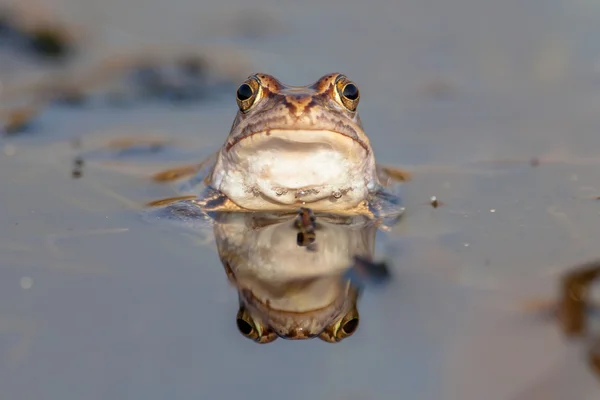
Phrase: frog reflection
(287, 289)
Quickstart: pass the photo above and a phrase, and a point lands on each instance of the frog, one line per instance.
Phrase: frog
(286, 290)
(290, 147)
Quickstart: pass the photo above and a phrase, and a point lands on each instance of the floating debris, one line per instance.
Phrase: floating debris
(434, 202)
(573, 301)
(18, 120)
(77, 168)
(574, 304)
(170, 200)
(396, 174)
(174, 174)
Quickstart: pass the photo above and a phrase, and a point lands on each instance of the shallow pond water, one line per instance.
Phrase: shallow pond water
(97, 303)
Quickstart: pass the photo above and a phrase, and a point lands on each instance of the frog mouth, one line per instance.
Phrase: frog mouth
(289, 167)
(301, 136)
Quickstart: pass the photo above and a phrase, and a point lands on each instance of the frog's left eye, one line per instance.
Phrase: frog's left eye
(246, 328)
(348, 93)
(247, 94)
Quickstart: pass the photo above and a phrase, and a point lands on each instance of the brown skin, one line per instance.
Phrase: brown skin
(320, 105)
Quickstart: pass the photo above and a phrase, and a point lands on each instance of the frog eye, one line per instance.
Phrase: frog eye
(348, 93)
(343, 329)
(246, 328)
(348, 328)
(251, 330)
(246, 94)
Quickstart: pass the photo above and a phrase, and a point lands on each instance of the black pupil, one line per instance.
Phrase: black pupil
(244, 92)
(244, 327)
(350, 91)
(350, 326)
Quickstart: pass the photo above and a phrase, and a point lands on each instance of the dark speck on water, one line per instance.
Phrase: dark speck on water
(77, 168)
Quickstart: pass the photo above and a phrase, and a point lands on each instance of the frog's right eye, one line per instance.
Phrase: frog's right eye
(247, 94)
(251, 330)
(246, 328)
(348, 93)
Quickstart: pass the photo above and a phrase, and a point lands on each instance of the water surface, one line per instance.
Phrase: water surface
(97, 303)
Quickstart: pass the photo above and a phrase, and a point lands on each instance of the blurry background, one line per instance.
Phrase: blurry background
(493, 105)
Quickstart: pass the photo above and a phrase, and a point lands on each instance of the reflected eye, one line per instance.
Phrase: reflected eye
(244, 92)
(244, 327)
(251, 330)
(350, 327)
(343, 329)
(247, 93)
(348, 92)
